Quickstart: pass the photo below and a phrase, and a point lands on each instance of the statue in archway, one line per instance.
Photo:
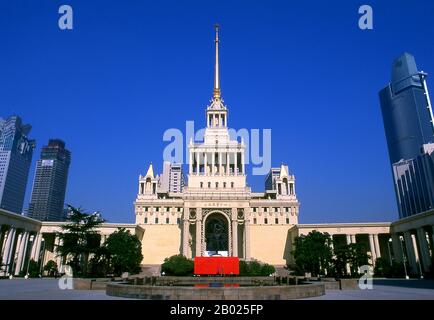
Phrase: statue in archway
(216, 234)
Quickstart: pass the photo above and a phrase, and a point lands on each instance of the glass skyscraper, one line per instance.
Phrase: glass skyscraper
(408, 123)
(49, 186)
(16, 152)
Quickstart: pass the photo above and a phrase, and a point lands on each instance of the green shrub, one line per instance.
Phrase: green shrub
(383, 268)
(267, 269)
(255, 269)
(33, 269)
(177, 265)
(51, 268)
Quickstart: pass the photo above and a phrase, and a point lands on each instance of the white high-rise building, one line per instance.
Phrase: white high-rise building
(172, 178)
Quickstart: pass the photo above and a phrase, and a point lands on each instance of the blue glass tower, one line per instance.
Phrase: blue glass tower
(408, 123)
(16, 152)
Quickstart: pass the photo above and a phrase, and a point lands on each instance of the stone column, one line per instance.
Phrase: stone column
(227, 163)
(197, 163)
(205, 162)
(190, 163)
(220, 163)
(234, 219)
(247, 239)
(103, 239)
(397, 248)
(57, 243)
(9, 248)
(199, 233)
(353, 238)
(36, 247)
(185, 232)
(235, 162)
(242, 162)
(331, 243)
(21, 252)
(377, 246)
(409, 247)
(348, 237)
(372, 248)
(424, 250)
(234, 238)
(212, 163)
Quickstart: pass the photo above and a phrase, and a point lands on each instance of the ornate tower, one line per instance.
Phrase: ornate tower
(218, 162)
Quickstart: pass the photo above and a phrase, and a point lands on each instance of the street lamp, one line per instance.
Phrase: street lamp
(388, 247)
(404, 260)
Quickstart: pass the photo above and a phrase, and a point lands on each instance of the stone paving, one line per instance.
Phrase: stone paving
(48, 289)
(390, 289)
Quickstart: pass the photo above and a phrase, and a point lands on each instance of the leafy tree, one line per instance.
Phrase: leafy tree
(340, 261)
(357, 257)
(313, 252)
(79, 239)
(383, 268)
(33, 269)
(51, 268)
(124, 252)
(177, 265)
(353, 255)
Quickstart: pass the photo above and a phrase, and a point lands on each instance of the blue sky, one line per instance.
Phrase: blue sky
(132, 69)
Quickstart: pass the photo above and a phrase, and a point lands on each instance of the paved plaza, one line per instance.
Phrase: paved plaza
(47, 289)
(390, 289)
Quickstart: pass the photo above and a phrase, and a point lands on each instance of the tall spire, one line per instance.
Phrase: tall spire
(217, 92)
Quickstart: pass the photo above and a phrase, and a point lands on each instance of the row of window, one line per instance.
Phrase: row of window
(276, 221)
(156, 220)
(163, 209)
(217, 185)
(178, 220)
(276, 209)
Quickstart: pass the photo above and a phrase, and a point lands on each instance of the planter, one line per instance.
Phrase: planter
(91, 283)
(349, 284)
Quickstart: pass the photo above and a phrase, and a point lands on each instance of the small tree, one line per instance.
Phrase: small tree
(352, 255)
(357, 257)
(124, 252)
(79, 239)
(313, 252)
(51, 268)
(177, 265)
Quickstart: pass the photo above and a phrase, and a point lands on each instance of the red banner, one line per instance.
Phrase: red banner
(217, 265)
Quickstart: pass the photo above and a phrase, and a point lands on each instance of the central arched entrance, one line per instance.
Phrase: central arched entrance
(216, 234)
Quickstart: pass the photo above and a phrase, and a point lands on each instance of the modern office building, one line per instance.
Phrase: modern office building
(172, 178)
(16, 152)
(409, 126)
(49, 186)
(176, 181)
